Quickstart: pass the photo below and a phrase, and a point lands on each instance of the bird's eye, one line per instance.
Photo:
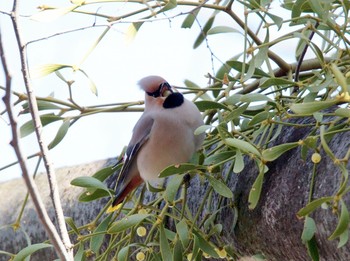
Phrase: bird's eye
(158, 92)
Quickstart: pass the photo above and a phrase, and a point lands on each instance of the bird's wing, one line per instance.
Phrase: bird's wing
(140, 135)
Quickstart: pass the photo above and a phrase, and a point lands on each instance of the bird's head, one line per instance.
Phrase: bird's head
(159, 92)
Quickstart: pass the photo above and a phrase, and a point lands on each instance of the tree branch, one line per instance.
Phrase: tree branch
(32, 188)
(33, 107)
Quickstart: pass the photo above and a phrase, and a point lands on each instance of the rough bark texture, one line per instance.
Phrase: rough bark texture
(271, 229)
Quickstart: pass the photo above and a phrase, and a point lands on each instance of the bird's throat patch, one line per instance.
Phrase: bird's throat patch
(173, 100)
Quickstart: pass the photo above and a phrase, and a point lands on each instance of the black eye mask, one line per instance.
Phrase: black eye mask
(158, 92)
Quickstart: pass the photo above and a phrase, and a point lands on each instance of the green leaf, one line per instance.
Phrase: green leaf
(205, 246)
(28, 127)
(123, 254)
(61, 133)
(104, 173)
(276, 19)
(89, 182)
(202, 129)
(97, 240)
(309, 229)
(276, 81)
(238, 66)
(80, 254)
(171, 4)
(203, 34)
(312, 206)
(179, 169)
(236, 113)
(127, 222)
(172, 187)
(343, 222)
(178, 251)
(27, 251)
(164, 245)
(219, 157)
(325, 146)
(242, 145)
(343, 112)
(275, 152)
(312, 249)
(254, 97)
(239, 162)
(223, 29)
(210, 105)
(343, 238)
(219, 186)
(71, 223)
(42, 105)
(264, 115)
(182, 231)
(93, 194)
(190, 18)
(255, 192)
(311, 107)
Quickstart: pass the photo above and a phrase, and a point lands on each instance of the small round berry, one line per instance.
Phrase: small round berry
(140, 256)
(316, 158)
(141, 231)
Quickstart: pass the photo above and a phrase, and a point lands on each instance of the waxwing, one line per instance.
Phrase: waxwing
(163, 136)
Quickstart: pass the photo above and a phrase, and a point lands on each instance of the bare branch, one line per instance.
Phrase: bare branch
(33, 107)
(32, 188)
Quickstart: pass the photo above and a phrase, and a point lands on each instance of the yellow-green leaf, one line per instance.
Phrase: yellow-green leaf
(311, 107)
(242, 145)
(127, 222)
(343, 222)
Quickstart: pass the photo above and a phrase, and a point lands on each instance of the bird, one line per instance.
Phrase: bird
(163, 136)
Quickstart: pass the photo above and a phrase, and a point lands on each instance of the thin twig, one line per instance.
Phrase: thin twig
(32, 188)
(301, 59)
(33, 107)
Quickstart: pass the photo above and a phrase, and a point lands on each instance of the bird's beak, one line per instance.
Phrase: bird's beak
(166, 90)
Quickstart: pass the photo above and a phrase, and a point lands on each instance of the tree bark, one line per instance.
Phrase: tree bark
(271, 229)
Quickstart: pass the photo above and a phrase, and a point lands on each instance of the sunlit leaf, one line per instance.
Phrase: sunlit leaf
(46, 69)
(132, 31)
(171, 4)
(51, 13)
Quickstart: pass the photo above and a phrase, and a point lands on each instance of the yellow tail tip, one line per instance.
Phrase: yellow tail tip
(113, 208)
